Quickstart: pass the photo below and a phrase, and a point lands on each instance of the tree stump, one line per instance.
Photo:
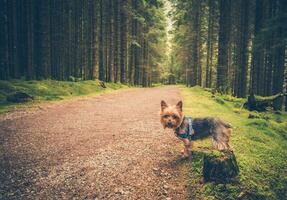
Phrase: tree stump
(219, 167)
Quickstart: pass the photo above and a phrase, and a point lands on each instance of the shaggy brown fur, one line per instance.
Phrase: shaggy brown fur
(220, 131)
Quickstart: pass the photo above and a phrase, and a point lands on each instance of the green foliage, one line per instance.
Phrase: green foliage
(186, 56)
(260, 146)
(51, 90)
(150, 17)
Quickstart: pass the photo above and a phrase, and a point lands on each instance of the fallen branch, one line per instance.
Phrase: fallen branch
(262, 103)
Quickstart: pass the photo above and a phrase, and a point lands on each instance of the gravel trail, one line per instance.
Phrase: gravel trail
(107, 147)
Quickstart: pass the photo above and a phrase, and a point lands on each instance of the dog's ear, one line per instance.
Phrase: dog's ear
(163, 105)
(179, 105)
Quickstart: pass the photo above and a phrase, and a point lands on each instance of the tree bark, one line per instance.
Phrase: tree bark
(209, 56)
(4, 51)
(223, 44)
(123, 44)
(257, 57)
(101, 44)
(241, 61)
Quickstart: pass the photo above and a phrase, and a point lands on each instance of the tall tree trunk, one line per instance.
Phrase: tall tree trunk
(257, 57)
(107, 40)
(95, 33)
(101, 44)
(196, 71)
(223, 44)
(209, 56)
(13, 61)
(117, 43)
(241, 61)
(279, 54)
(123, 44)
(42, 39)
(30, 40)
(111, 39)
(22, 37)
(4, 51)
(136, 48)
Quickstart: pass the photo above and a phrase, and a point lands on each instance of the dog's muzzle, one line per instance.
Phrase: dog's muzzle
(169, 125)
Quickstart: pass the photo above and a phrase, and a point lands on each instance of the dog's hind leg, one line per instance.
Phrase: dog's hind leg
(221, 137)
(219, 145)
(216, 145)
(221, 134)
(225, 137)
(224, 146)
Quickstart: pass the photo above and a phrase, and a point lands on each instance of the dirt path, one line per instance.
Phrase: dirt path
(106, 147)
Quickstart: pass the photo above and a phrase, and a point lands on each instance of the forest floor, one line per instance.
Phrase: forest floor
(113, 147)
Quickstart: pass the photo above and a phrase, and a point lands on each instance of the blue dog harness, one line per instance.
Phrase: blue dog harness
(185, 130)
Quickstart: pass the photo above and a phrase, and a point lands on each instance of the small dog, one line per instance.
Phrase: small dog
(188, 129)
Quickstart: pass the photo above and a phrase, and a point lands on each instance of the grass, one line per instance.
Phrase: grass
(260, 146)
(50, 90)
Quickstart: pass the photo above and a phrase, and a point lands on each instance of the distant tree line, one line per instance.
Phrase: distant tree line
(109, 40)
(235, 46)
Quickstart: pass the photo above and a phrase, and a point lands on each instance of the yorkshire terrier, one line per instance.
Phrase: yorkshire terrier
(188, 129)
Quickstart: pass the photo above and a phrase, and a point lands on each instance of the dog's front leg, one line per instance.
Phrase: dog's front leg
(187, 147)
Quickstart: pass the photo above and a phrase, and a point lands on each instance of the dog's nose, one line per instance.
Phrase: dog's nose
(169, 124)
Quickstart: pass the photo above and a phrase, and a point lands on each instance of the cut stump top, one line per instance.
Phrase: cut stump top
(220, 166)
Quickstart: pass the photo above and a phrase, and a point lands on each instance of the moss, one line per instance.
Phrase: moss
(219, 100)
(50, 90)
(259, 123)
(215, 153)
(260, 146)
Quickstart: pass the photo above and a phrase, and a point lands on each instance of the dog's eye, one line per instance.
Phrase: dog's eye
(174, 116)
(165, 116)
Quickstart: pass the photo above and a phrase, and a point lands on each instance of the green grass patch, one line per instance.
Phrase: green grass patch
(50, 90)
(260, 146)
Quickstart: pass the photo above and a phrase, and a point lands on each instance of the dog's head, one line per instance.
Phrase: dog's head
(171, 116)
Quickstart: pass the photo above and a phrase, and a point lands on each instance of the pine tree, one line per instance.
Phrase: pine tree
(241, 61)
(123, 44)
(223, 45)
(4, 51)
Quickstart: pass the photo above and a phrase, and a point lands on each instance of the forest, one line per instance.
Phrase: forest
(109, 40)
(236, 47)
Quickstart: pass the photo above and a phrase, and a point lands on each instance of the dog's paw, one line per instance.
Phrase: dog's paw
(185, 155)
